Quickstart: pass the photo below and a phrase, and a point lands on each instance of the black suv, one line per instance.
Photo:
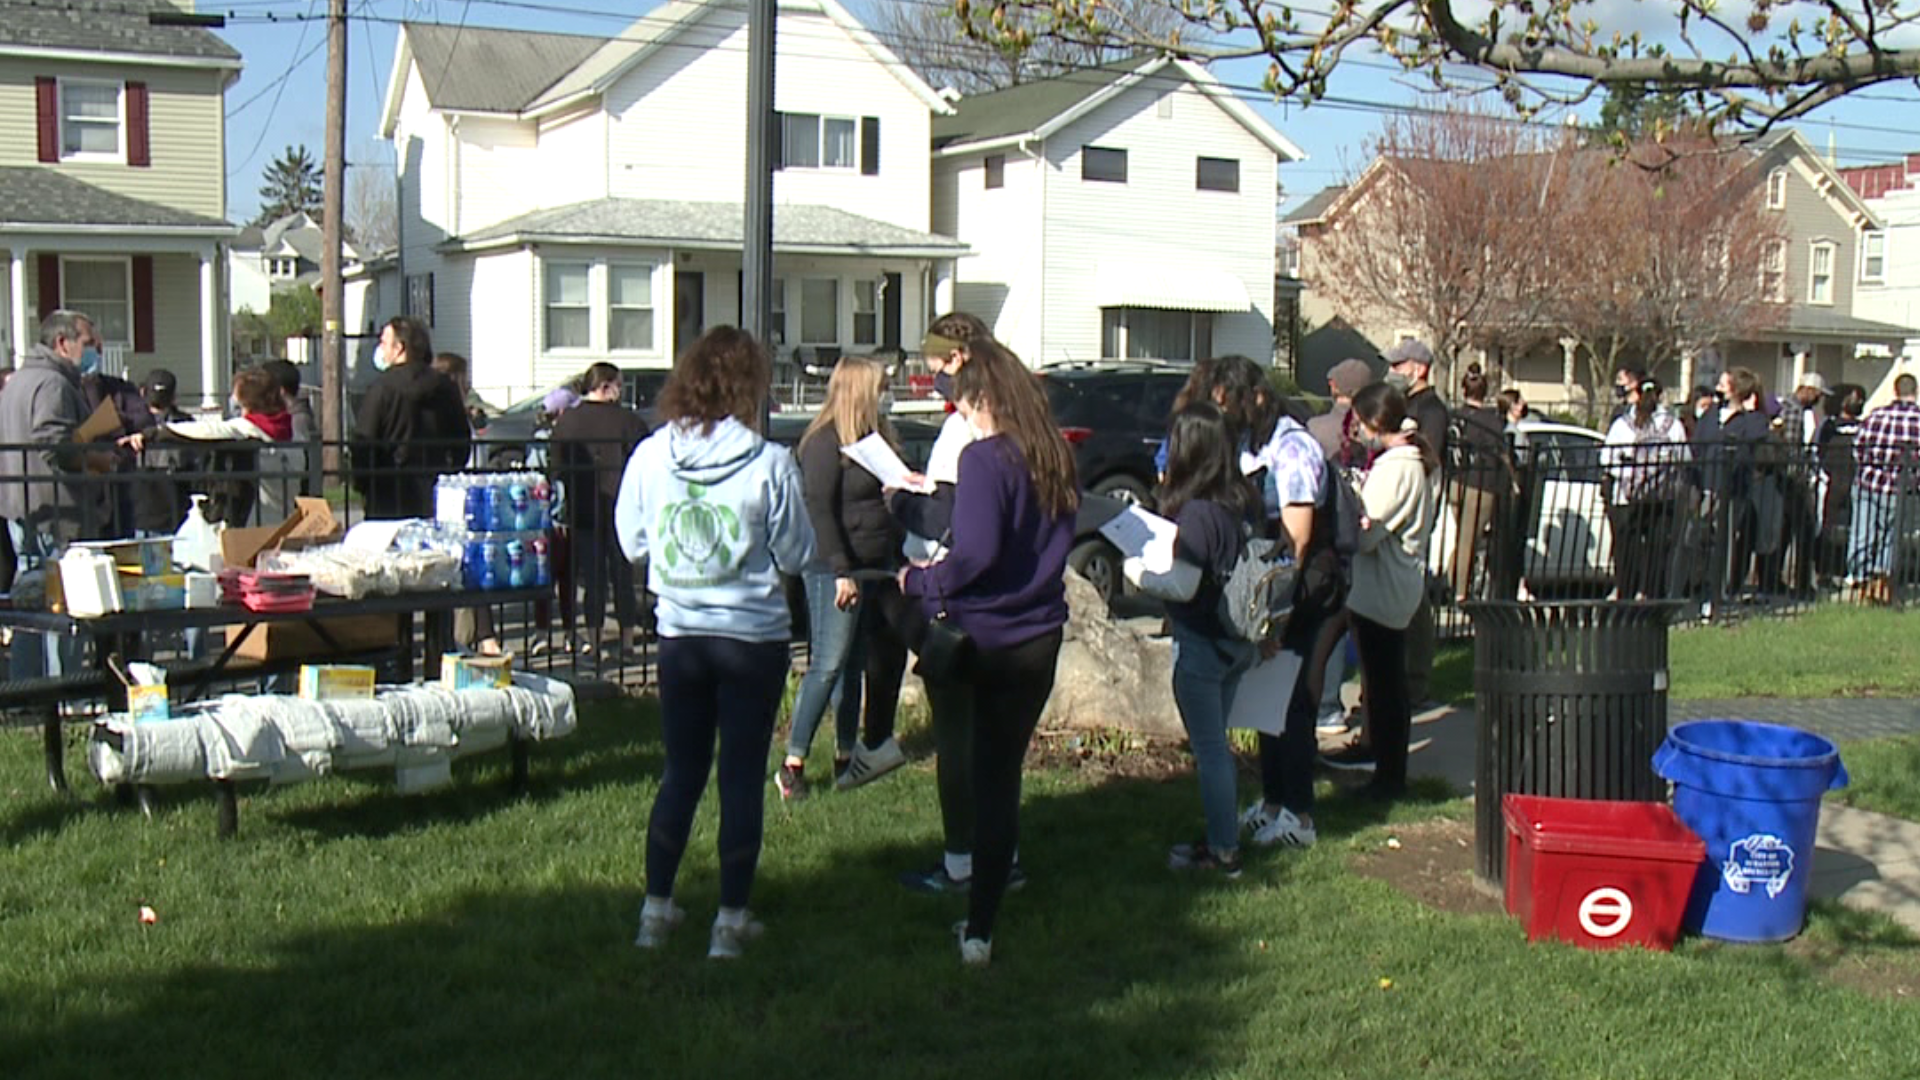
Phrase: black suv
(1114, 414)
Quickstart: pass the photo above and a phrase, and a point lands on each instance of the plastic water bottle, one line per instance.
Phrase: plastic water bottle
(489, 566)
(521, 499)
(474, 562)
(542, 561)
(543, 504)
(517, 564)
(476, 504)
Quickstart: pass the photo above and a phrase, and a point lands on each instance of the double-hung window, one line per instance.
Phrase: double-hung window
(103, 288)
(569, 304)
(91, 120)
(1820, 272)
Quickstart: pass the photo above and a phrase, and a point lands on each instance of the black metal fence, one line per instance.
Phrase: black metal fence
(1731, 530)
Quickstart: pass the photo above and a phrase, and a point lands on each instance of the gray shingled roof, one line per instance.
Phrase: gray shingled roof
(34, 196)
(1315, 207)
(1802, 319)
(701, 224)
(118, 26)
(1023, 108)
(498, 70)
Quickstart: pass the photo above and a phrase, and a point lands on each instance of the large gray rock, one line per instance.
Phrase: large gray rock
(1111, 675)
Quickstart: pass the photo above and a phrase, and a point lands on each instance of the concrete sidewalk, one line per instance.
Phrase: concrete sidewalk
(1865, 860)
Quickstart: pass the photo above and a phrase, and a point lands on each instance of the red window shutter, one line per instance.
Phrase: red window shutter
(49, 283)
(47, 110)
(139, 154)
(143, 303)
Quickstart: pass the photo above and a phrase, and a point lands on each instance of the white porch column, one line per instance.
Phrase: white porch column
(1801, 353)
(209, 333)
(1567, 346)
(942, 286)
(17, 305)
(1688, 357)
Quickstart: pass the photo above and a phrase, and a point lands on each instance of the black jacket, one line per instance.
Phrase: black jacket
(160, 500)
(590, 444)
(851, 525)
(411, 427)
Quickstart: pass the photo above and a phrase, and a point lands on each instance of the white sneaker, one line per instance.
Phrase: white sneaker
(870, 765)
(974, 952)
(729, 939)
(1286, 828)
(656, 925)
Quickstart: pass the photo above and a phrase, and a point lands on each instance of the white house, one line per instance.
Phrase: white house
(265, 259)
(1889, 270)
(569, 199)
(1124, 211)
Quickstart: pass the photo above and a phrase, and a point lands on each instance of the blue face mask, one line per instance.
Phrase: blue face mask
(89, 360)
(943, 385)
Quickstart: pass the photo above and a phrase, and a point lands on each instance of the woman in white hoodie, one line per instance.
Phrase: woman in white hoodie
(1389, 571)
(718, 513)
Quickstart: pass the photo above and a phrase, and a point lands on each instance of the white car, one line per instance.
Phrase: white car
(1569, 538)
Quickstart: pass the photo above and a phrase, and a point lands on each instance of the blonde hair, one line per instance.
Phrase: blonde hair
(852, 408)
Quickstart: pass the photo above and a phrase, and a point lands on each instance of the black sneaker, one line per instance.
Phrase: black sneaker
(1350, 758)
(792, 782)
(1198, 856)
(936, 882)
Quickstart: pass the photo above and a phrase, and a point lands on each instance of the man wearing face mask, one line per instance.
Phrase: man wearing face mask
(411, 426)
(43, 496)
(1409, 364)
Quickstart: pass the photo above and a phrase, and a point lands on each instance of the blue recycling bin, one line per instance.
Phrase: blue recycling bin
(1752, 792)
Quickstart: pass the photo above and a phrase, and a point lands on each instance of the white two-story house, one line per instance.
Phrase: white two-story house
(569, 199)
(1124, 211)
(113, 183)
(1889, 262)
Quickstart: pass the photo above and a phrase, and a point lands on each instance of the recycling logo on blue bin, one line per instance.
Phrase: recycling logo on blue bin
(1762, 858)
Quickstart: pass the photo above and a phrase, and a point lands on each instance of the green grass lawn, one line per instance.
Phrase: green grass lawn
(1836, 650)
(350, 932)
(1883, 776)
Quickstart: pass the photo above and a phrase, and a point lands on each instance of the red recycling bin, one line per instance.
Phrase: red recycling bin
(1599, 874)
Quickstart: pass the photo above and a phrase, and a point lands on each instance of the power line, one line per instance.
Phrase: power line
(279, 88)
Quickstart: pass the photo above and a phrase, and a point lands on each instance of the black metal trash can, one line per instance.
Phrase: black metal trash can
(1572, 702)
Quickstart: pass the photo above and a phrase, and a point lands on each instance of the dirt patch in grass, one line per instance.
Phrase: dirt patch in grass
(1104, 755)
(1433, 864)
(1878, 971)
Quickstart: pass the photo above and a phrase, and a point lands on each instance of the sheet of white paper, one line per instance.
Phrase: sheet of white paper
(874, 455)
(1261, 701)
(1139, 533)
(372, 536)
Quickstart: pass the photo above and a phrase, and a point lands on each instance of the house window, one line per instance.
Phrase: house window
(630, 307)
(1216, 174)
(1155, 334)
(1820, 273)
(777, 325)
(812, 141)
(820, 311)
(90, 120)
(1777, 189)
(866, 312)
(1773, 272)
(103, 289)
(1103, 164)
(996, 170)
(283, 268)
(569, 306)
(1873, 256)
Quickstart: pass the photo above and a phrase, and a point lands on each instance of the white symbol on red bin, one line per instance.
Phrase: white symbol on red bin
(1605, 912)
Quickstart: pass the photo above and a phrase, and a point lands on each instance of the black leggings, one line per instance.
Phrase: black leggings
(1010, 690)
(709, 686)
(1383, 679)
(952, 704)
(1286, 760)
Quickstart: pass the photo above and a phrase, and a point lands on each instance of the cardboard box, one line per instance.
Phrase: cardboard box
(458, 671)
(147, 701)
(153, 592)
(146, 557)
(312, 521)
(294, 640)
(336, 682)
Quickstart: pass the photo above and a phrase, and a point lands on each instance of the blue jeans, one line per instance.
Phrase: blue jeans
(1206, 673)
(836, 653)
(1870, 540)
(33, 655)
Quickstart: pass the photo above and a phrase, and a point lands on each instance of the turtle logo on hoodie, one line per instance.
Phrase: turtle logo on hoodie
(699, 540)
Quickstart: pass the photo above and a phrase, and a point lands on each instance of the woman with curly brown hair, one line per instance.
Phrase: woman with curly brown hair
(719, 512)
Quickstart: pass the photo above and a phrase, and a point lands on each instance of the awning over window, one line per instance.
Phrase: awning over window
(1145, 285)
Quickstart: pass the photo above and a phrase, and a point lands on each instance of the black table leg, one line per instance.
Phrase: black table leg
(518, 747)
(56, 751)
(227, 803)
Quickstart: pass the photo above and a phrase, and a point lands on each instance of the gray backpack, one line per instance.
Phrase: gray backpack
(1257, 597)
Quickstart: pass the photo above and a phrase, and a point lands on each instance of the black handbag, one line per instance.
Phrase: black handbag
(946, 651)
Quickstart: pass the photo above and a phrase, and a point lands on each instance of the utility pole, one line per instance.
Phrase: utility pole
(333, 373)
(756, 252)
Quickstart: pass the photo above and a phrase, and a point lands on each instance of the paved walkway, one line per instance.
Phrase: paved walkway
(1865, 860)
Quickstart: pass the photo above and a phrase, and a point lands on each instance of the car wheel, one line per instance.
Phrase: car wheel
(1098, 562)
(1124, 488)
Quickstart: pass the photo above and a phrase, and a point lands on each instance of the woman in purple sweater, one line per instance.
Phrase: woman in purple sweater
(1002, 583)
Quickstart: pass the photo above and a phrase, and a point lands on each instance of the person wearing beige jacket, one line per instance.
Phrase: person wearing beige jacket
(1397, 506)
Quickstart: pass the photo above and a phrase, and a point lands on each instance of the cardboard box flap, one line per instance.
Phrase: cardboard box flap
(312, 519)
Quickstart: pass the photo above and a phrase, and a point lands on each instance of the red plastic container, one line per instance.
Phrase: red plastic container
(1599, 874)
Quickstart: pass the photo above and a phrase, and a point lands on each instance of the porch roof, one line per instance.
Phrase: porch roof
(1829, 324)
(798, 228)
(41, 200)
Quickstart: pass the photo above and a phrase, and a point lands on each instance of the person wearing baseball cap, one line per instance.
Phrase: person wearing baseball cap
(1332, 429)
